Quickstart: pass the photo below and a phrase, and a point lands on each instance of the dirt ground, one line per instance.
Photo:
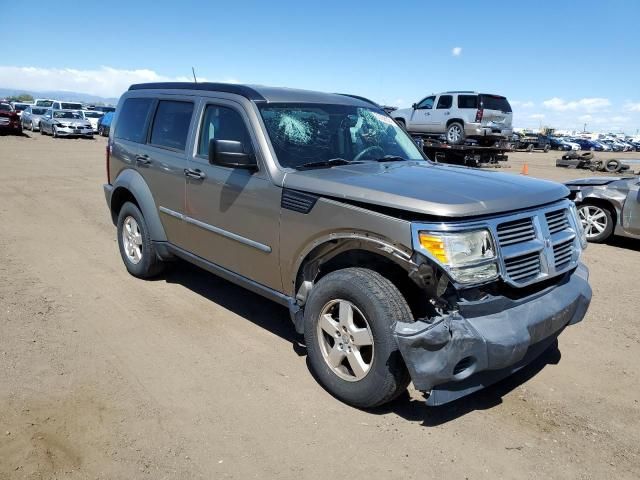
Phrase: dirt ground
(103, 376)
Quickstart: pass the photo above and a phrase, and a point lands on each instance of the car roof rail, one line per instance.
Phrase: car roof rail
(242, 90)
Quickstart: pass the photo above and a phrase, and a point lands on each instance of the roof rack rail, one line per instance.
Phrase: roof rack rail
(241, 90)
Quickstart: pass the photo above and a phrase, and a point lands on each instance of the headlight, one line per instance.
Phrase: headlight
(468, 257)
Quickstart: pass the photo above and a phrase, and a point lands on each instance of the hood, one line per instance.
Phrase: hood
(73, 121)
(428, 188)
(594, 181)
(7, 114)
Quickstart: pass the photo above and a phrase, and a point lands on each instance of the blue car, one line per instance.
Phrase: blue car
(104, 124)
(588, 144)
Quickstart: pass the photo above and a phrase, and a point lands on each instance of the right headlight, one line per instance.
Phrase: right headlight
(468, 257)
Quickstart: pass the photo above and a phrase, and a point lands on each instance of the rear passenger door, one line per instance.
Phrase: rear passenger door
(152, 133)
(232, 213)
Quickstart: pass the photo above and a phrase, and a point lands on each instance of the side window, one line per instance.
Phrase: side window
(467, 101)
(171, 124)
(427, 103)
(133, 119)
(222, 123)
(444, 102)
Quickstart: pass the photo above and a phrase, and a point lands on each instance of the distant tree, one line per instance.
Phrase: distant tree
(23, 97)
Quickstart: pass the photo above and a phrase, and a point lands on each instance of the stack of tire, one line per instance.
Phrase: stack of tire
(611, 165)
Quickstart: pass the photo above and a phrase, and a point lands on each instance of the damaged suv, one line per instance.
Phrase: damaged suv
(394, 268)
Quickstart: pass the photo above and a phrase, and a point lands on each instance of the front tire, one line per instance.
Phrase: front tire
(348, 323)
(54, 132)
(136, 248)
(597, 222)
(455, 134)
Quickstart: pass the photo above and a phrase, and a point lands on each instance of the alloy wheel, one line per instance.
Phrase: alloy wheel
(454, 133)
(132, 240)
(594, 220)
(346, 340)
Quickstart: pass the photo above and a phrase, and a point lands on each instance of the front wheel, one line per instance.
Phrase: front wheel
(54, 132)
(597, 222)
(136, 248)
(455, 134)
(348, 324)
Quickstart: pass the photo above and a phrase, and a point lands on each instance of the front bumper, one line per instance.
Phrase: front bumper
(73, 131)
(488, 340)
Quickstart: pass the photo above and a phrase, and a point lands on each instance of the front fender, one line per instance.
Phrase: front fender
(131, 181)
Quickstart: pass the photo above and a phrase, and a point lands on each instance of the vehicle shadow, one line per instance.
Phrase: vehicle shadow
(275, 318)
(250, 306)
(625, 242)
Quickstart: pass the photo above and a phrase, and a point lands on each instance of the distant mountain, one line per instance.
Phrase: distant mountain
(60, 95)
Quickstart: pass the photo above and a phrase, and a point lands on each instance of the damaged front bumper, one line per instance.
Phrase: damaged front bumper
(487, 340)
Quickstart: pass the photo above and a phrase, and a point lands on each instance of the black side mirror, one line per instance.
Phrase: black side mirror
(230, 153)
(414, 106)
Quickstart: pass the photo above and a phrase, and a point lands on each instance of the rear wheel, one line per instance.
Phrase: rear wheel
(136, 248)
(455, 134)
(597, 222)
(348, 324)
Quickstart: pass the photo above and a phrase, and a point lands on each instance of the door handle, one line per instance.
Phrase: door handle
(195, 173)
(143, 159)
(447, 113)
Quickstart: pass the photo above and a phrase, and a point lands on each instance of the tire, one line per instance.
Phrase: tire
(376, 305)
(54, 132)
(455, 134)
(545, 149)
(148, 263)
(597, 221)
(100, 130)
(530, 147)
(613, 166)
(593, 149)
(585, 156)
(32, 127)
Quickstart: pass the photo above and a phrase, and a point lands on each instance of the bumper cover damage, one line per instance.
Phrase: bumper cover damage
(485, 341)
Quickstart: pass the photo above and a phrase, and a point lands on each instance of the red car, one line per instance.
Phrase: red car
(9, 119)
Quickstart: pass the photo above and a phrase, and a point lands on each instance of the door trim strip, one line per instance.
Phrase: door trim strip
(225, 233)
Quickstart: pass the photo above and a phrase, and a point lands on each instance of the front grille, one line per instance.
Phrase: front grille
(562, 254)
(557, 221)
(517, 231)
(523, 268)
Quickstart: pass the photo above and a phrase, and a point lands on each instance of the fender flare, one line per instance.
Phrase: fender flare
(131, 181)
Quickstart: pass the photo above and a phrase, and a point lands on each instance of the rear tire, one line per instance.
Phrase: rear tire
(136, 248)
(455, 134)
(375, 305)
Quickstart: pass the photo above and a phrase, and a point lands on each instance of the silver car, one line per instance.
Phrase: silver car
(608, 206)
(459, 116)
(65, 123)
(31, 117)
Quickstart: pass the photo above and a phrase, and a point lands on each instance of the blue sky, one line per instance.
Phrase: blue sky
(560, 63)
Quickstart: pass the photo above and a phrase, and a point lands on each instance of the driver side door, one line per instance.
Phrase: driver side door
(631, 210)
(421, 119)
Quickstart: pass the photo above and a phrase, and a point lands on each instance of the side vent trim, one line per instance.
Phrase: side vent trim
(298, 201)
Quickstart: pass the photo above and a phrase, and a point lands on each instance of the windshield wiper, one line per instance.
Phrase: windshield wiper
(333, 162)
(390, 158)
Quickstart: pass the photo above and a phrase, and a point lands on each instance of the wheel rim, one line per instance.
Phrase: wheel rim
(132, 240)
(346, 341)
(594, 220)
(454, 133)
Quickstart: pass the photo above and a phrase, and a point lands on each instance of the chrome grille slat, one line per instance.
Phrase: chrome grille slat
(516, 231)
(557, 221)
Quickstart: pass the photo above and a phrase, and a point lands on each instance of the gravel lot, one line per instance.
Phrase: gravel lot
(106, 376)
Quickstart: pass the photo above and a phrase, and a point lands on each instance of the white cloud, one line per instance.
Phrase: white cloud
(537, 116)
(522, 104)
(104, 81)
(584, 104)
(456, 51)
(632, 107)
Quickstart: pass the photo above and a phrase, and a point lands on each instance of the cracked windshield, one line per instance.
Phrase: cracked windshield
(308, 135)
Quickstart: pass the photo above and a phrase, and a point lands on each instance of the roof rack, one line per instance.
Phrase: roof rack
(241, 90)
(460, 91)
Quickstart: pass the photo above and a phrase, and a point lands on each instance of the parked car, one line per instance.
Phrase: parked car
(62, 105)
(9, 119)
(394, 268)
(459, 116)
(608, 206)
(43, 102)
(31, 116)
(93, 116)
(559, 143)
(19, 107)
(530, 142)
(65, 123)
(613, 145)
(588, 144)
(105, 109)
(104, 124)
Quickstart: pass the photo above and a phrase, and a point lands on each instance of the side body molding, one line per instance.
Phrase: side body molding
(132, 181)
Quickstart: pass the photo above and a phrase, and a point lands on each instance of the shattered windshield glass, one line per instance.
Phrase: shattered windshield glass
(302, 134)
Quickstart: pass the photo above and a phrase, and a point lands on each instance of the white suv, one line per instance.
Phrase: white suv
(459, 115)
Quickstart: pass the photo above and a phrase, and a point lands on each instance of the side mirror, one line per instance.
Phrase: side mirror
(414, 106)
(230, 153)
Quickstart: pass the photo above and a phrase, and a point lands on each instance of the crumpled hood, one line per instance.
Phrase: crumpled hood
(428, 188)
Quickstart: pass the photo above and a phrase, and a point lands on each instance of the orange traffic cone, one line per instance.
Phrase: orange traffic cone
(525, 169)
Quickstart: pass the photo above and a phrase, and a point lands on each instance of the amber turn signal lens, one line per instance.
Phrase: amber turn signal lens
(435, 246)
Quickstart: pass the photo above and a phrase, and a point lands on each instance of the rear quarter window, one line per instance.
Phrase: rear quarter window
(467, 101)
(133, 119)
(495, 102)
